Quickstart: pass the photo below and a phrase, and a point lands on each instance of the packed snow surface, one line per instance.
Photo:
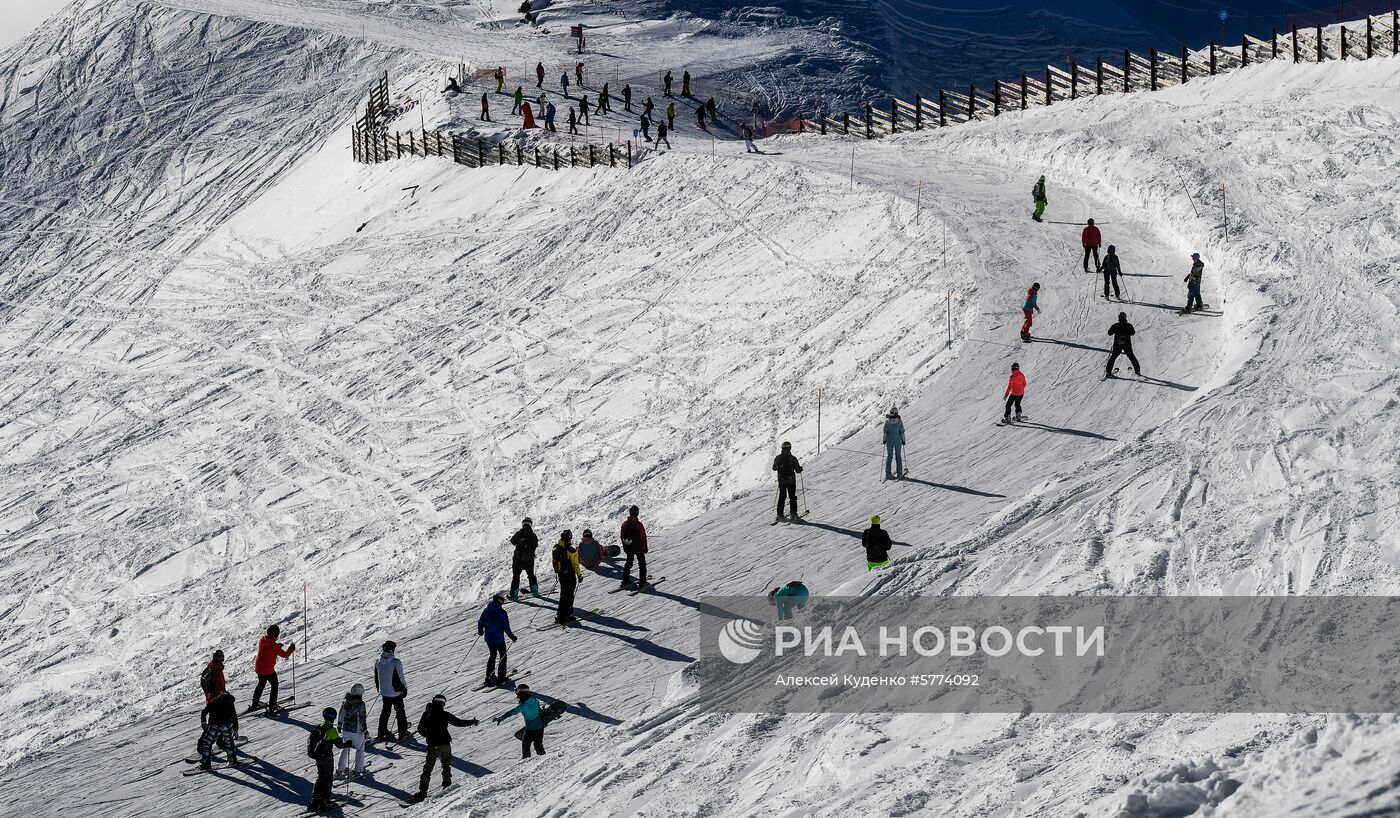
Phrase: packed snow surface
(243, 368)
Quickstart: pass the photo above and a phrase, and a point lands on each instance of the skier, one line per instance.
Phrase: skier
(578, 73)
(528, 114)
(519, 97)
(321, 745)
(265, 665)
(1015, 390)
(393, 688)
(530, 17)
(1193, 284)
(685, 84)
(648, 108)
(749, 146)
(432, 726)
(494, 624)
(485, 109)
(566, 567)
(211, 679)
(787, 467)
(633, 536)
(700, 118)
(353, 725)
(564, 83)
(500, 79)
(646, 127)
(219, 720)
(549, 116)
(1029, 309)
(604, 101)
(529, 710)
(877, 545)
(1038, 194)
(1111, 270)
(710, 107)
(791, 597)
(671, 115)
(539, 75)
(666, 81)
(1091, 239)
(894, 444)
(573, 129)
(583, 109)
(661, 136)
(525, 542)
(627, 98)
(590, 551)
(1122, 333)
(452, 86)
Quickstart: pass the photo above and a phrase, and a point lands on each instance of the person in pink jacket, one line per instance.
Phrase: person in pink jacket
(528, 114)
(1015, 390)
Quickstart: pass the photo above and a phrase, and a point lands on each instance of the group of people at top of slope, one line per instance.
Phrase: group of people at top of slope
(568, 560)
(345, 729)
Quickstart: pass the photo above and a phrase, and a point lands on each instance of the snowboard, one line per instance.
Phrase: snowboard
(551, 712)
(1198, 309)
(1006, 422)
(648, 586)
(243, 762)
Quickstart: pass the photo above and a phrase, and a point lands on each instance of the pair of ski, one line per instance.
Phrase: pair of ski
(243, 761)
(1013, 422)
(280, 710)
(633, 590)
(788, 520)
(512, 677)
(238, 742)
(1189, 311)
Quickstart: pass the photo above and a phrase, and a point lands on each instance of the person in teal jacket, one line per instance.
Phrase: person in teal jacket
(790, 597)
(529, 710)
(894, 444)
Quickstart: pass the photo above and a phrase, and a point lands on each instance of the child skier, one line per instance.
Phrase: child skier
(877, 545)
(321, 745)
(529, 710)
(265, 666)
(749, 146)
(894, 444)
(353, 726)
(1193, 284)
(1028, 309)
(219, 720)
(566, 568)
(1015, 390)
(494, 624)
(432, 726)
(1122, 333)
(1111, 270)
(211, 679)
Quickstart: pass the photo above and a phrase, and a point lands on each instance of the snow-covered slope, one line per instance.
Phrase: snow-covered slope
(359, 378)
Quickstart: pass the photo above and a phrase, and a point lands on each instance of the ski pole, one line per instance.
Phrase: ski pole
(805, 508)
(463, 663)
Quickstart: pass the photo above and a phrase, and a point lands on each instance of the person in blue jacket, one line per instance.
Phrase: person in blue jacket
(529, 709)
(494, 624)
(894, 444)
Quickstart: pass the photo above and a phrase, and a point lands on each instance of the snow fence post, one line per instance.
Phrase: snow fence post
(1212, 58)
(413, 146)
(1319, 43)
(1023, 92)
(918, 114)
(1185, 56)
(821, 119)
(1295, 42)
(996, 97)
(971, 102)
(519, 155)
(556, 159)
(1152, 69)
(456, 154)
(500, 153)
(1343, 48)
(868, 113)
(573, 162)
(942, 111)
(1073, 79)
(1098, 77)
(1127, 69)
(894, 115)
(398, 146)
(629, 154)
(612, 156)
(1368, 37)
(1244, 50)
(846, 122)
(1395, 32)
(1273, 43)
(1048, 98)
(590, 154)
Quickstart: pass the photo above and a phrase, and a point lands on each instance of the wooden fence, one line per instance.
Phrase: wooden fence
(371, 142)
(1376, 36)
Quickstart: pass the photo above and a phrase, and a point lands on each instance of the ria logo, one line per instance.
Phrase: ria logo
(739, 641)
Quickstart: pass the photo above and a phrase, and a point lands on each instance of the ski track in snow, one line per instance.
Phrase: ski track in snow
(236, 373)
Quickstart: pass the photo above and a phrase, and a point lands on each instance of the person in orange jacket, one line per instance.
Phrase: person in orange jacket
(211, 680)
(1015, 390)
(1091, 238)
(265, 665)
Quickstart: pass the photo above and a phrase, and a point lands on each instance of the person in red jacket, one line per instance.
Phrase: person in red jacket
(634, 544)
(1091, 239)
(211, 681)
(265, 665)
(1015, 390)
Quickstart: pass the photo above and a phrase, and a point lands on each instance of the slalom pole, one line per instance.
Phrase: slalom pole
(805, 508)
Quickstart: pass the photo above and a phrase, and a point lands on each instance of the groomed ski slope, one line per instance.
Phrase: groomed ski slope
(1267, 409)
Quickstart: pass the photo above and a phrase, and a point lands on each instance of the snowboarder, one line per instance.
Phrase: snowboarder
(452, 86)
(219, 720)
(671, 115)
(1122, 333)
(700, 118)
(549, 116)
(573, 129)
(539, 75)
(1091, 238)
(791, 597)
(528, 114)
(749, 146)
(1193, 284)
(485, 109)
(432, 726)
(211, 679)
(519, 98)
(564, 83)
(1029, 309)
(877, 545)
(1015, 390)
(393, 688)
(529, 710)
(710, 107)
(1038, 194)
(787, 467)
(604, 101)
(894, 444)
(627, 98)
(646, 127)
(500, 79)
(590, 551)
(578, 73)
(633, 536)
(1111, 270)
(265, 665)
(666, 81)
(566, 568)
(661, 136)
(321, 745)
(685, 84)
(523, 558)
(494, 624)
(353, 725)
(583, 109)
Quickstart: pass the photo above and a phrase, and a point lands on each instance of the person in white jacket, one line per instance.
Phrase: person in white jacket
(894, 444)
(353, 724)
(393, 687)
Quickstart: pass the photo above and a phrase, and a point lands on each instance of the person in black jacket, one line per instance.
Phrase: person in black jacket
(1122, 333)
(633, 536)
(1111, 269)
(523, 559)
(432, 726)
(321, 745)
(787, 467)
(877, 545)
(219, 718)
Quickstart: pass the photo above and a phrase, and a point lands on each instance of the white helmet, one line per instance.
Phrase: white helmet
(357, 690)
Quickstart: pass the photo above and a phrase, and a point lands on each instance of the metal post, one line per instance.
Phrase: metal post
(1152, 69)
(1344, 43)
(1212, 58)
(1023, 92)
(1273, 44)
(1185, 57)
(629, 153)
(868, 112)
(819, 420)
(918, 113)
(1073, 80)
(942, 109)
(950, 319)
(894, 115)
(1098, 76)
(1048, 98)
(1127, 69)
(846, 116)
(971, 102)
(1295, 42)
(1369, 51)
(1320, 52)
